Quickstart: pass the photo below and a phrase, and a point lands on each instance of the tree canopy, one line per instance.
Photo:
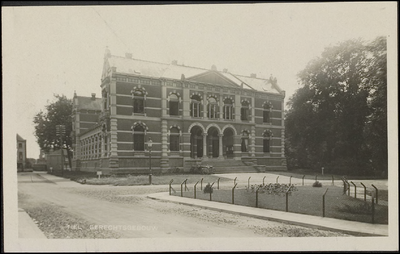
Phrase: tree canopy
(56, 113)
(338, 118)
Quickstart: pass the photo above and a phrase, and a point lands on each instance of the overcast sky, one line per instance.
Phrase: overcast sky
(59, 50)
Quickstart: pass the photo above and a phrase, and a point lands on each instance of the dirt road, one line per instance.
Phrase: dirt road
(66, 209)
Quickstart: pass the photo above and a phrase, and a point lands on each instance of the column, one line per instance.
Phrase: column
(186, 103)
(186, 145)
(113, 126)
(237, 151)
(204, 145)
(205, 106)
(164, 147)
(237, 105)
(253, 141)
(221, 145)
(253, 111)
(221, 107)
(164, 100)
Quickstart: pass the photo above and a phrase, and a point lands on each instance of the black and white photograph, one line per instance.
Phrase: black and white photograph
(154, 127)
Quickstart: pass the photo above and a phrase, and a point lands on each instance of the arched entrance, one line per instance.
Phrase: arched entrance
(228, 143)
(196, 142)
(213, 142)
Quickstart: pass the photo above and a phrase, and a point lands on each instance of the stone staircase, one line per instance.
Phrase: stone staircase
(229, 166)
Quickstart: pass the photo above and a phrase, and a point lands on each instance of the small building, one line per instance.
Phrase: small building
(192, 115)
(21, 153)
(54, 161)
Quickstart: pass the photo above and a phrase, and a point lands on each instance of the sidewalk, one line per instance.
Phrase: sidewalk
(349, 227)
(27, 228)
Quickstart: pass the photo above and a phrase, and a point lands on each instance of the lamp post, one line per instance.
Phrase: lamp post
(149, 146)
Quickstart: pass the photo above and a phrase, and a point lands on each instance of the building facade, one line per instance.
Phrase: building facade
(190, 114)
(21, 153)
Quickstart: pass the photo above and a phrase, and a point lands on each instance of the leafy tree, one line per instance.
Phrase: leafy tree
(58, 112)
(338, 115)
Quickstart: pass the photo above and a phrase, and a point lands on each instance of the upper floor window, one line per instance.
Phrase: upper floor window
(20, 145)
(228, 109)
(267, 112)
(174, 139)
(244, 111)
(138, 138)
(138, 101)
(173, 105)
(212, 108)
(195, 107)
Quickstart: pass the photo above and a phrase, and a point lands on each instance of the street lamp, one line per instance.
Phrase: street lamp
(149, 146)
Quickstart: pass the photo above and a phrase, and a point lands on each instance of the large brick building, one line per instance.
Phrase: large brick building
(21, 153)
(190, 114)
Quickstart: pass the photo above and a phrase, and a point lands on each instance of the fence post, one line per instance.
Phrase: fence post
(170, 186)
(218, 183)
(186, 188)
(234, 181)
(365, 192)
(376, 193)
(355, 189)
(182, 188)
(303, 179)
(211, 190)
(373, 211)
(333, 181)
(201, 184)
(277, 179)
(233, 194)
(323, 203)
(257, 196)
(287, 198)
(264, 179)
(195, 189)
(290, 180)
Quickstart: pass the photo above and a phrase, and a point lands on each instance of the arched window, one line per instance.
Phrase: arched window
(245, 141)
(173, 105)
(244, 111)
(266, 141)
(267, 112)
(138, 101)
(138, 138)
(195, 106)
(174, 139)
(228, 108)
(212, 108)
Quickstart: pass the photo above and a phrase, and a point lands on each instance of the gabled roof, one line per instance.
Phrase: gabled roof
(131, 66)
(88, 103)
(19, 138)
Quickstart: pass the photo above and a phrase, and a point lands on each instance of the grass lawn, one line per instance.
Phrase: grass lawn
(130, 180)
(306, 200)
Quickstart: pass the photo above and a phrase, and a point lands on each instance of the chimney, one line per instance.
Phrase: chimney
(174, 62)
(93, 96)
(213, 67)
(253, 75)
(225, 70)
(128, 55)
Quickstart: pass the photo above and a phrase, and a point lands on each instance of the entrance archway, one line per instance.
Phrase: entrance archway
(228, 143)
(196, 142)
(213, 142)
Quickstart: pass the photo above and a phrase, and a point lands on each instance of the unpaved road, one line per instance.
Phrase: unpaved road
(125, 212)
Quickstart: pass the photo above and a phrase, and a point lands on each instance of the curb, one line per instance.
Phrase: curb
(27, 228)
(271, 215)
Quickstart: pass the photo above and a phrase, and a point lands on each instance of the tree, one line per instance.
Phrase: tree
(58, 112)
(334, 118)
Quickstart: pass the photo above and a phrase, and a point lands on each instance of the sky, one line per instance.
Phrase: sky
(59, 50)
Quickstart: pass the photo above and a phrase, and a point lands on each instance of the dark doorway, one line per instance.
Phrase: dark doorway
(196, 142)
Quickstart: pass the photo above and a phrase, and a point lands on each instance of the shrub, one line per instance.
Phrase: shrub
(208, 188)
(364, 208)
(317, 184)
(202, 169)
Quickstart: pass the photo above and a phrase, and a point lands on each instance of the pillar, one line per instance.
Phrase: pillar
(237, 105)
(164, 147)
(186, 145)
(221, 145)
(186, 103)
(113, 126)
(237, 147)
(204, 145)
(205, 106)
(253, 142)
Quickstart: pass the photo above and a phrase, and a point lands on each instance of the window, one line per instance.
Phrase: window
(138, 138)
(266, 113)
(173, 105)
(245, 141)
(20, 156)
(212, 108)
(174, 139)
(266, 141)
(20, 145)
(228, 107)
(244, 111)
(138, 102)
(195, 106)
